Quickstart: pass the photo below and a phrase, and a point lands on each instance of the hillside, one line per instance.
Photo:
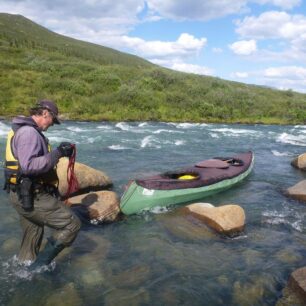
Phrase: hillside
(92, 82)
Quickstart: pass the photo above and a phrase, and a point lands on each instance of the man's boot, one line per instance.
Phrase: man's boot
(45, 257)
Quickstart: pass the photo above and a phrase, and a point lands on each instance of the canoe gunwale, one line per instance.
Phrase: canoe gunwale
(138, 198)
(204, 176)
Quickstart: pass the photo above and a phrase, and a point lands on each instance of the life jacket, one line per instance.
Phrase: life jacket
(12, 169)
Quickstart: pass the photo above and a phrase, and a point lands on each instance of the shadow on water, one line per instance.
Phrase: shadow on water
(163, 257)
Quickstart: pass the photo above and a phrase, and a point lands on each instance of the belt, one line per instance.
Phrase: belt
(38, 188)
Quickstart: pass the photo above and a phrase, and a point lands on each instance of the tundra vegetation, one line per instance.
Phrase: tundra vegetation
(91, 82)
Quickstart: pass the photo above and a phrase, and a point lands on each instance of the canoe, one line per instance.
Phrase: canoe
(187, 184)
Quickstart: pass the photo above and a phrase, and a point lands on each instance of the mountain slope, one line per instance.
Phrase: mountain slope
(17, 30)
(91, 82)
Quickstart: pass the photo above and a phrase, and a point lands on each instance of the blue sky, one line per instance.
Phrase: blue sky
(259, 42)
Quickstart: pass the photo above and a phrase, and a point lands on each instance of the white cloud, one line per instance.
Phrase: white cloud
(190, 68)
(179, 65)
(289, 72)
(272, 24)
(186, 45)
(244, 47)
(290, 30)
(282, 77)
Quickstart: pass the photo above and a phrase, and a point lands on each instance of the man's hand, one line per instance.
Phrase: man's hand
(66, 149)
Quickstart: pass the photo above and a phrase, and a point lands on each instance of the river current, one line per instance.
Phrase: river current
(161, 257)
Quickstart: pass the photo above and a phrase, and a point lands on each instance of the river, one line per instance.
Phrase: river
(160, 257)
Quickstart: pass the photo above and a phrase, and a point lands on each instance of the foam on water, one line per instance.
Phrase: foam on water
(179, 142)
(235, 132)
(150, 141)
(59, 139)
(117, 147)
(186, 125)
(300, 126)
(123, 126)
(104, 127)
(277, 153)
(292, 139)
(214, 135)
(159, 210)
(77, 129)
(285, 217)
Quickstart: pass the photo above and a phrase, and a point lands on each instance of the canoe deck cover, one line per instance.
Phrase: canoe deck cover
(203, 173)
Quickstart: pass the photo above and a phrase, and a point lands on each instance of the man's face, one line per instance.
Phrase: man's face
(47, 120)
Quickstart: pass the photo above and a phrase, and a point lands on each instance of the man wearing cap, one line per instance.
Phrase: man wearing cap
(31, 181)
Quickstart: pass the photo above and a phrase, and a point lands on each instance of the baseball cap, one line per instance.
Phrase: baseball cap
(50, 106)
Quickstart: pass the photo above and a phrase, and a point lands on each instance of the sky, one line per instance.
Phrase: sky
(260, 42)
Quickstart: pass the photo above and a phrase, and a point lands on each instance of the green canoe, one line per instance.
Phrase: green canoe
(188, 184)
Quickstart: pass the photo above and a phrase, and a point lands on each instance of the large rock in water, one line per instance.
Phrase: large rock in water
(298, 191)
(227, 219)
(297, 282)
(295, 291)
(89, 179)
(300, 162)
(97, 207)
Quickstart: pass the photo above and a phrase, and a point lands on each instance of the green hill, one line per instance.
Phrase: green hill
(91, 82)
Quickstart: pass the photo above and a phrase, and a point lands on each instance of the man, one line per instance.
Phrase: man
(32, 185)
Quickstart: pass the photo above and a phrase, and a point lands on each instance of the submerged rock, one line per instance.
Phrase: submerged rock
(297, 282)
(288, 256)
(10, 245)
(227, 219)
(89, 179)
(298, 191)
(289, 298)
(99, 207)
(295, 291)
(67, 296)
(190, 228)
(132, 277)
(300, 162)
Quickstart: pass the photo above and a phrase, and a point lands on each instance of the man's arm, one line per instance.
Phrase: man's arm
(32, 153)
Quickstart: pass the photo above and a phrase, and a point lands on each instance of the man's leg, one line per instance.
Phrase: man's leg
(56, 215)
(31, 240)
(32, 234)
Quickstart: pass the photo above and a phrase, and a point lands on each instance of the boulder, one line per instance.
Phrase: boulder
(98, 207)
(297, 282)
(298, 191)
(299, 162)
(89, 179)
(227, 219)
(295, 291)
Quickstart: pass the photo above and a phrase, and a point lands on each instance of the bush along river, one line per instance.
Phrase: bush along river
(160, 257)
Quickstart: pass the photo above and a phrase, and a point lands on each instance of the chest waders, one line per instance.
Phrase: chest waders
(47, 211)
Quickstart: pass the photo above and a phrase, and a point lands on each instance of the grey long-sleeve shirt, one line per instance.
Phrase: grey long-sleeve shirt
(30, 147)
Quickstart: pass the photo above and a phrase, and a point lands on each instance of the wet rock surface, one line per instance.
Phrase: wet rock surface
(295, 291)
(99, 207)
(298, 191)
(227, 219)
(299, 162)
(89, 179)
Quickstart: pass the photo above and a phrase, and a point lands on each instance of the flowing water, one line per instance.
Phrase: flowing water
(162, 257)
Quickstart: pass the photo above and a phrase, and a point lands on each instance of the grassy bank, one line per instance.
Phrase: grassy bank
(91, 82)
